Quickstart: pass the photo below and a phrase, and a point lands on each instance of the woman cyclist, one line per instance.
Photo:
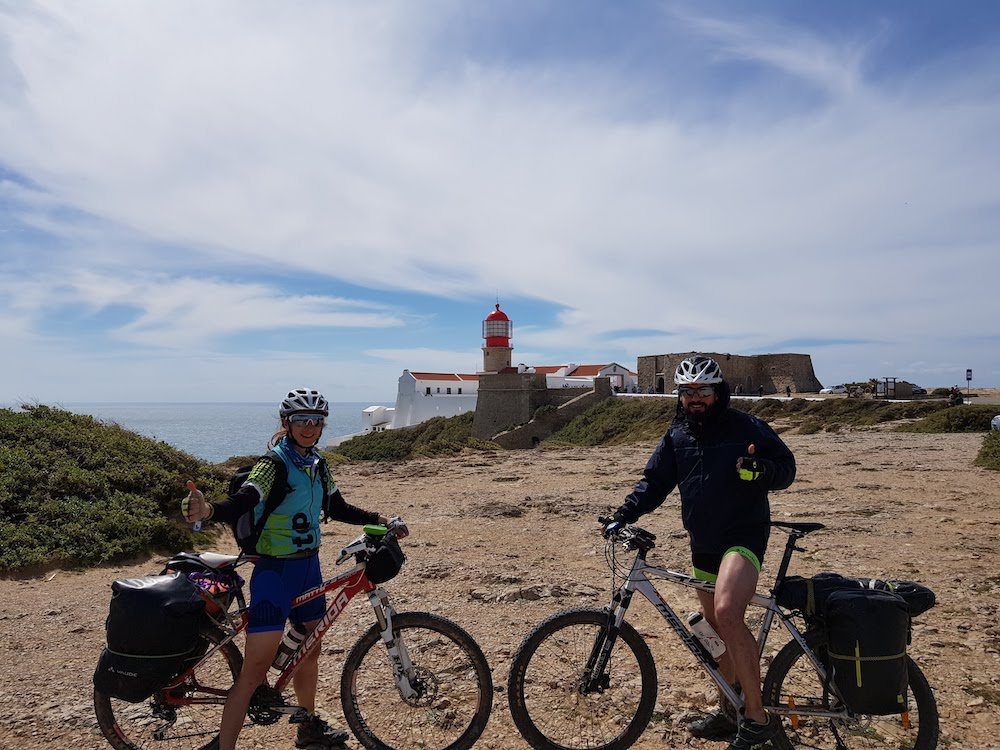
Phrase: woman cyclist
(289, 564)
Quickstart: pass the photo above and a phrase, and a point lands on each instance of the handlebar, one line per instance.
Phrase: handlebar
(372, 538)
(631, 537)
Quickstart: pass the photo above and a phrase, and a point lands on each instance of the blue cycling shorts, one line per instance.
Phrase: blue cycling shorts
(273, 585)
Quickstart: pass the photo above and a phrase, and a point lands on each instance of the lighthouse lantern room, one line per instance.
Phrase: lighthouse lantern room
(498, 331)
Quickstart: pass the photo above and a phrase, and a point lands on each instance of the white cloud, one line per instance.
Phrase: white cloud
(341, 139)
(182, 312)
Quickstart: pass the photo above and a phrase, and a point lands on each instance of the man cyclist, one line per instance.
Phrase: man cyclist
(289, 562)
(723, 462)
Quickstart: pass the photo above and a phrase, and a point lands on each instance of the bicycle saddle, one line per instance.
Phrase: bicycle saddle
(198, 560)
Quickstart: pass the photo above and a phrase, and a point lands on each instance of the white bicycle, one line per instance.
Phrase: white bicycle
(585, 678)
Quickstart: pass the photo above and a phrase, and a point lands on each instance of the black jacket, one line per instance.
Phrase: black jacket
(701, 461)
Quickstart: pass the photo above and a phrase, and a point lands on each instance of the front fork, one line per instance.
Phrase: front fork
(402, 667)
(595, 676)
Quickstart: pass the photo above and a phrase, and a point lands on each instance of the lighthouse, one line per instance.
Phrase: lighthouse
(497, 330)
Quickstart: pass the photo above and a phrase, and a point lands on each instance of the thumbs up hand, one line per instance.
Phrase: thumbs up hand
(194, 507)
(750, 468)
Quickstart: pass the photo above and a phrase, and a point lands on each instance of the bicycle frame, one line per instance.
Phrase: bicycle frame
(638, 580)
(347, 585)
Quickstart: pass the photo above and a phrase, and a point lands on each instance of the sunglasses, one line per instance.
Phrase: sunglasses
(704, 391)
(306, 420)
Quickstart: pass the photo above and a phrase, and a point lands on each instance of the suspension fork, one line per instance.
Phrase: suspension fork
(595, 677)
(402, 667)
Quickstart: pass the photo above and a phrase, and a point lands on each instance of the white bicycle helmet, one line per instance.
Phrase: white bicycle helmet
(304, 401)
(698, 370)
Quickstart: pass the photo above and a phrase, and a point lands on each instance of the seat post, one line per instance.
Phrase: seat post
(786, 558)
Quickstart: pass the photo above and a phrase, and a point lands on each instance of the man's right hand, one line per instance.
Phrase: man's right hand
(194, 508)
(611, 525)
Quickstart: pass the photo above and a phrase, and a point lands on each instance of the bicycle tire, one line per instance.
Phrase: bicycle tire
(452, 712)
(792, 674)
(548, 708)
(130, 726)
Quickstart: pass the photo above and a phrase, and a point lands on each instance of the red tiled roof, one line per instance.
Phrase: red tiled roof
(443, 376)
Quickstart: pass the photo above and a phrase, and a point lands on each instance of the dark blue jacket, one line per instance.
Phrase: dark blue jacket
(701, 461)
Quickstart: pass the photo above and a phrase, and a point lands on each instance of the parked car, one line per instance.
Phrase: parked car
(918, 391)
(834, 389)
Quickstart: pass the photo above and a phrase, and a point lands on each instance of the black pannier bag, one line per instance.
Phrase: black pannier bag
(809, 595)
(918, 597)
(152, 629)
(385, 562)
(866, 633)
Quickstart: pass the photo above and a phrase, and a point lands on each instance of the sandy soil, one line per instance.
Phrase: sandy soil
(502, 540)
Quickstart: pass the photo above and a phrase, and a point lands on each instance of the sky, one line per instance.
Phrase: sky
(221, 201)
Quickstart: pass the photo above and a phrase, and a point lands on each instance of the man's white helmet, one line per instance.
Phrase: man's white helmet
(698, 370)
(304, 401)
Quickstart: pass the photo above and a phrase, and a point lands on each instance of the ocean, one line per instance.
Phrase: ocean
(212, 432)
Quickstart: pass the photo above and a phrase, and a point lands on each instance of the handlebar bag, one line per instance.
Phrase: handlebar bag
(385, 562)
(866, 633)
(152, 628)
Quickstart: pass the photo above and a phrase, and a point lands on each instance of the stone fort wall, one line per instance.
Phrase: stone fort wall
(773, 372)
(507, 400)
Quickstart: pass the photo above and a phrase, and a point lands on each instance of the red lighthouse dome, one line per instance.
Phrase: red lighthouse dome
(497, 328)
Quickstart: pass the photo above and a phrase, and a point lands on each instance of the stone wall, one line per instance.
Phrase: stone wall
(509, 400)
(774, 372)
(552, 420)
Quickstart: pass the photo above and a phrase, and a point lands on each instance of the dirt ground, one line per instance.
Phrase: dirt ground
(501, 540)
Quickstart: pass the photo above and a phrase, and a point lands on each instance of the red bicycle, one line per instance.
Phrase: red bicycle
(413, 679)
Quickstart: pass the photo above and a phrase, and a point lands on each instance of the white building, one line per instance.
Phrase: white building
(425, 395)
(582, 376)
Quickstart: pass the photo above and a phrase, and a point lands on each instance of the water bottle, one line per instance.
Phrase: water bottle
(706, 635)
(289, 644)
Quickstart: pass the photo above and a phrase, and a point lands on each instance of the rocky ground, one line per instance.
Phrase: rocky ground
(501, 540)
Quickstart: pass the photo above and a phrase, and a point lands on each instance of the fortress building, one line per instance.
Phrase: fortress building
(748, 373)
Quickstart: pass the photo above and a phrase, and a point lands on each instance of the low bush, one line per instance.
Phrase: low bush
(441, 436)
(75, 491)
(989, 453)
(954, 419)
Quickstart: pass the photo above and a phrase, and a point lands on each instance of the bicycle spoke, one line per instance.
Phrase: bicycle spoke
(153, 724)
(796, 683)
(549, 701)
(450, 677)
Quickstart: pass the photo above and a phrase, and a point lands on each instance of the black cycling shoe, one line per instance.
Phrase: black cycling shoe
(213, 744)
(715, 726)
(316, 732)
(754, 736)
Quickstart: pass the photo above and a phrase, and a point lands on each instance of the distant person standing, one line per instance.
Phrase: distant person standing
(724, 462)
(760, 391)
(788, 391)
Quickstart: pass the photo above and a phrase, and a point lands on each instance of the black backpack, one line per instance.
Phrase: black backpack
(244, 529)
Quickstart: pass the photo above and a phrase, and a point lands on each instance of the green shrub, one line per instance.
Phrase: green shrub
(618, 420)
(989, 453)
(441, 436)
(954, 419)
(74, 491)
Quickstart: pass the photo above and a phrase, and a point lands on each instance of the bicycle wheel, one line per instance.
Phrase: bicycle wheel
(450, 674)
(547, 702)
(792, 680)
(154, 723)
